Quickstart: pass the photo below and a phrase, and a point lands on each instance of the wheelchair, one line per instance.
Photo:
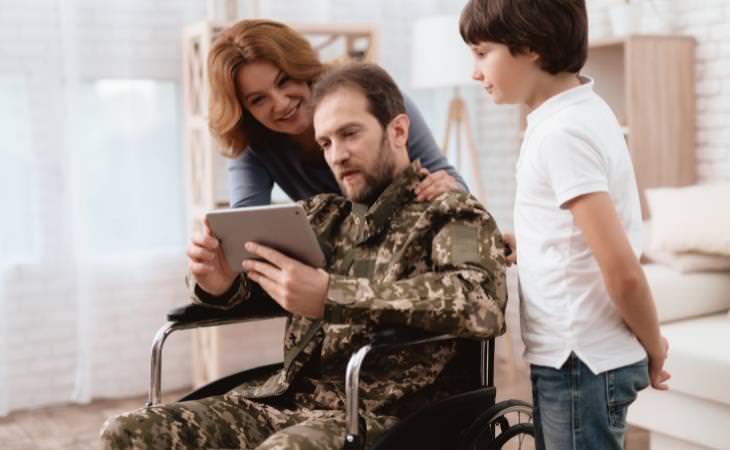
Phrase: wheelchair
(470, 420)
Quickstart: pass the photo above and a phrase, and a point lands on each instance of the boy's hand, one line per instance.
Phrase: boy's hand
(511, 251)
(657, 375)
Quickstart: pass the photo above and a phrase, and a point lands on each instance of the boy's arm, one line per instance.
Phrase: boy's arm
(596, 217)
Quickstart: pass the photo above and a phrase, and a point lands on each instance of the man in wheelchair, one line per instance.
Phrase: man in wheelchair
(391, 260)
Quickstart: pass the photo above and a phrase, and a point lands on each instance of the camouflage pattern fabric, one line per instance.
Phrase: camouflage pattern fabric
(232, 421)
(436, 266)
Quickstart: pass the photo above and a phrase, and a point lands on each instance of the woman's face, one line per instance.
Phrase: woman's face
(274, 99)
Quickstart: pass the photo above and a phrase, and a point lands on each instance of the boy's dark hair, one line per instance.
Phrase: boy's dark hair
(385, 100)
(557, 30)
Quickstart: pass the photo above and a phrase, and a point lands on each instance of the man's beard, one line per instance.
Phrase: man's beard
(379, 180)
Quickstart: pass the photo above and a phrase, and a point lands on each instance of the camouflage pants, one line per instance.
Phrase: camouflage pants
(232, 421)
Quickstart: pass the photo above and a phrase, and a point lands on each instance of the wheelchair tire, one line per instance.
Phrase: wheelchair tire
(486, 430)
(514, 436)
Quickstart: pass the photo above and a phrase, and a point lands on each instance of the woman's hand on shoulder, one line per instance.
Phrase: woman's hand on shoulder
(435, 184)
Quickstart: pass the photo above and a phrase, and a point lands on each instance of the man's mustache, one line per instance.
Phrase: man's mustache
(342, 171)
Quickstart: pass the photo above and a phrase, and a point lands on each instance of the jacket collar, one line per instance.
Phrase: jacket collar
(370, 221)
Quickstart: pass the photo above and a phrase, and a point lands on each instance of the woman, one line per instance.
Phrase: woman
(261, 73)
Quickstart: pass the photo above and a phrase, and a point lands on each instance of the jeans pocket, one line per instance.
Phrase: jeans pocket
(622, 387)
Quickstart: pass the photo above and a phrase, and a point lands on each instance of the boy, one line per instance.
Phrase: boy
(588, 319)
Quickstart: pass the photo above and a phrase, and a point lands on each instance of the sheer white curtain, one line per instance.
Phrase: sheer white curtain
(92, 197)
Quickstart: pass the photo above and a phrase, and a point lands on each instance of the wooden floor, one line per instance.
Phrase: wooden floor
(64, 427)
(77, 426)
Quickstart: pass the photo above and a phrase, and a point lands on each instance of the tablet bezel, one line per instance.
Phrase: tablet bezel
(284, 228)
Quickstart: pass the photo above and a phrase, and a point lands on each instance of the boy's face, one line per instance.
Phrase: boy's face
(508, 78)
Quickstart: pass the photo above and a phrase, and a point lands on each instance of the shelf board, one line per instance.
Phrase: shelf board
(607, 42)
(617, 41)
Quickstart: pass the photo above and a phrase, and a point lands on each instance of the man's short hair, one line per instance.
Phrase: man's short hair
(385, 100)
(557, 30)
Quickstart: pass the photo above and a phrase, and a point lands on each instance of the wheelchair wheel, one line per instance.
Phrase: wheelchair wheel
(517, 437)
(506, 425)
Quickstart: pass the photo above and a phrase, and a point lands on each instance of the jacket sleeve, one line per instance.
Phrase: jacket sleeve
(464, 293)
(244, 299)
(236, 294)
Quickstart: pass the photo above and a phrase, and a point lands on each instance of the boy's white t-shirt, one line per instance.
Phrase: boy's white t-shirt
(573, 146)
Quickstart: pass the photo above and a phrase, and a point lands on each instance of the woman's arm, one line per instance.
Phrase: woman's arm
(250, 183)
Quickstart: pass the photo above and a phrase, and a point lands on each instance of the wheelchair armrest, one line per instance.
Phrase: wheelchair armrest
(195, 315)
(194, 312)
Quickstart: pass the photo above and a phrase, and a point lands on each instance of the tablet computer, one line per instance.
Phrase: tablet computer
(282, 227)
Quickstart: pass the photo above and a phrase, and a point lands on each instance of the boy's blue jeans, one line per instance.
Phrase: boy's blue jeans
(576, 410)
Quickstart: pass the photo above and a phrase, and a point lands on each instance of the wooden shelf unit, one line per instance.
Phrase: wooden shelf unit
(649, 82)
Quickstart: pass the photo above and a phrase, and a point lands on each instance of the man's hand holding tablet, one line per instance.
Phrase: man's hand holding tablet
(297, 287)
(235, 240)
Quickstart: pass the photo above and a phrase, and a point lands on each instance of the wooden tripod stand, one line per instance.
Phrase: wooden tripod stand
(458, 117)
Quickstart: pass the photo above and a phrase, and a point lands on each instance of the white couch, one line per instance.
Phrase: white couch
(694, 314)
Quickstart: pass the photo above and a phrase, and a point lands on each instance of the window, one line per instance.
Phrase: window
(127, 166)
(18, 236)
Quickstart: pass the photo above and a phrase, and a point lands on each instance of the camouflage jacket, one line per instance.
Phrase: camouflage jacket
(437, 266)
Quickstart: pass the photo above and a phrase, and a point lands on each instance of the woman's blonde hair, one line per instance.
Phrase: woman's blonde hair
(247, 41)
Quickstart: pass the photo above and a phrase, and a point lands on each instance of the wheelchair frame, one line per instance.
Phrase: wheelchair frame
(197, 316)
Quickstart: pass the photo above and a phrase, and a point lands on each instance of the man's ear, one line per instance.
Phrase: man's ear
(398, 130)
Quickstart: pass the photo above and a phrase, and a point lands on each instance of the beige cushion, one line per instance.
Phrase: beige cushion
(695, 412)
(699, 360)
(690, 219)
(690, 262)
(684, 295)
(684, 262)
